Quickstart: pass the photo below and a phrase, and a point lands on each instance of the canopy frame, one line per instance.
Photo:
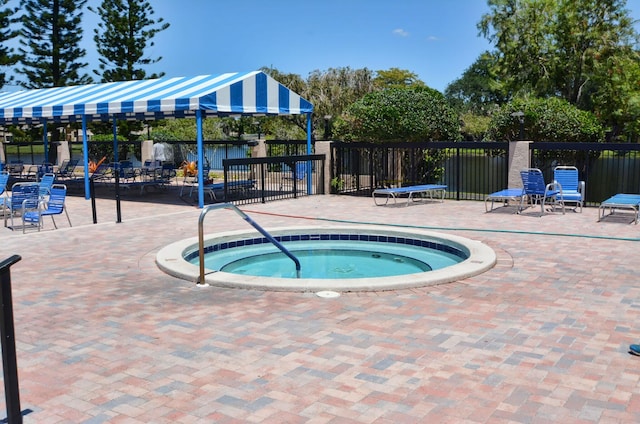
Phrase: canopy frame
(246, 94)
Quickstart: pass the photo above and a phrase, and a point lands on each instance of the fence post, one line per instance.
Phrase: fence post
(92, 195)
(7, 332)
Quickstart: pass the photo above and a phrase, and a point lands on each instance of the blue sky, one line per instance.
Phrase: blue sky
(436, 39)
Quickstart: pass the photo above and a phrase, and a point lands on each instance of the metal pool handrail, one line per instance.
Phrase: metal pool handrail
(246, 217)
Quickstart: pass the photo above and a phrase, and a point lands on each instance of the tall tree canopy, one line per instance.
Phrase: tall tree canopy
(329, 91)
(50, 35)
(479, 89)
(558, 47)
(125, 32)
(7, 56)
(396, 78)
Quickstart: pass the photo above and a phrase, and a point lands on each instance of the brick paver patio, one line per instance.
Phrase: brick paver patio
(104, 336)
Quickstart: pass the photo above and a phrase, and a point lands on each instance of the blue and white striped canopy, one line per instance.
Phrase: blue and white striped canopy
(249, 93)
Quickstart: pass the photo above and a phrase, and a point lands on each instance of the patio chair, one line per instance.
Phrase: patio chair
(298, 173)
(126, 172)
(150, 169)
(24, 197)
(102, 172)
(16, 168)
(55, 205)
(4, 179)
(45, 168)
(538, 192)
(66, 171)
(46, 182)
(168, 172)
(573, 191)
(191, 181)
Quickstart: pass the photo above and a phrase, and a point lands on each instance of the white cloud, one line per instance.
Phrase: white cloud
(432, 38)
(400, 32)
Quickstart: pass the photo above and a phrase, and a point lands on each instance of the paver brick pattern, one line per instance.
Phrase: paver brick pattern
(103, 336)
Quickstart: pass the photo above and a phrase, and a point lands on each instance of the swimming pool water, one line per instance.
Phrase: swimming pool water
(329, 259)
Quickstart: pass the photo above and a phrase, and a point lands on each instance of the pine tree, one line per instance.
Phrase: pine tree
(121, 38)
(51, 33)
(7, 56)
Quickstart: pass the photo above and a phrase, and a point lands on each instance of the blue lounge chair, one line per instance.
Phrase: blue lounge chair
(620, 201)
(66, 171)
(55, 205)
(538, 192)
(425, 190)
(572, 190)
(231, 186)
(505, 196)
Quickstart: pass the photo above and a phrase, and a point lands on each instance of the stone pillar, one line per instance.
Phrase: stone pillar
(518, 160)
(324, 148)
(146, 151)
(259, 150)
(3, 156)
(63, 152)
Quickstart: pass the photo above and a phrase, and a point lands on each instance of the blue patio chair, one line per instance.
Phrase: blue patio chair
(55, 205)
(296, 174)
(150, 169)
(4, 179)
(45, 168)
(46, 182)
(538, 192)
(126, 172)
(572, 190)
(24, 197)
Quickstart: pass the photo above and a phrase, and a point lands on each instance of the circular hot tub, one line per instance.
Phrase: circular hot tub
(340, 258)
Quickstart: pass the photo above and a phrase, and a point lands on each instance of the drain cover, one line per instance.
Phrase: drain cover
(327, 294)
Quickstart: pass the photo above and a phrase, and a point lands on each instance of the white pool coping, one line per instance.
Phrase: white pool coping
(171, 260)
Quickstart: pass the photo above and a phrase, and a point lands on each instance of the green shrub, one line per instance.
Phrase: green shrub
(399, 114)
(551, 119)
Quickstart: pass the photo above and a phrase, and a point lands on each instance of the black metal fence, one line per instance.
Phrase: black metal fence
(287, 147)
(274, 178)
(469, 169)
(177, 151)
(606, 168)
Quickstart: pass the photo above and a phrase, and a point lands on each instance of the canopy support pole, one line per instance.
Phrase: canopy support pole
(85, 155)
(200, 143)
(45, 139)
(309, 172)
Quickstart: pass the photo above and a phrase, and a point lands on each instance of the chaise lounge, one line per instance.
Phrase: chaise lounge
(423, 191)
(620, 201)
(505, 196)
